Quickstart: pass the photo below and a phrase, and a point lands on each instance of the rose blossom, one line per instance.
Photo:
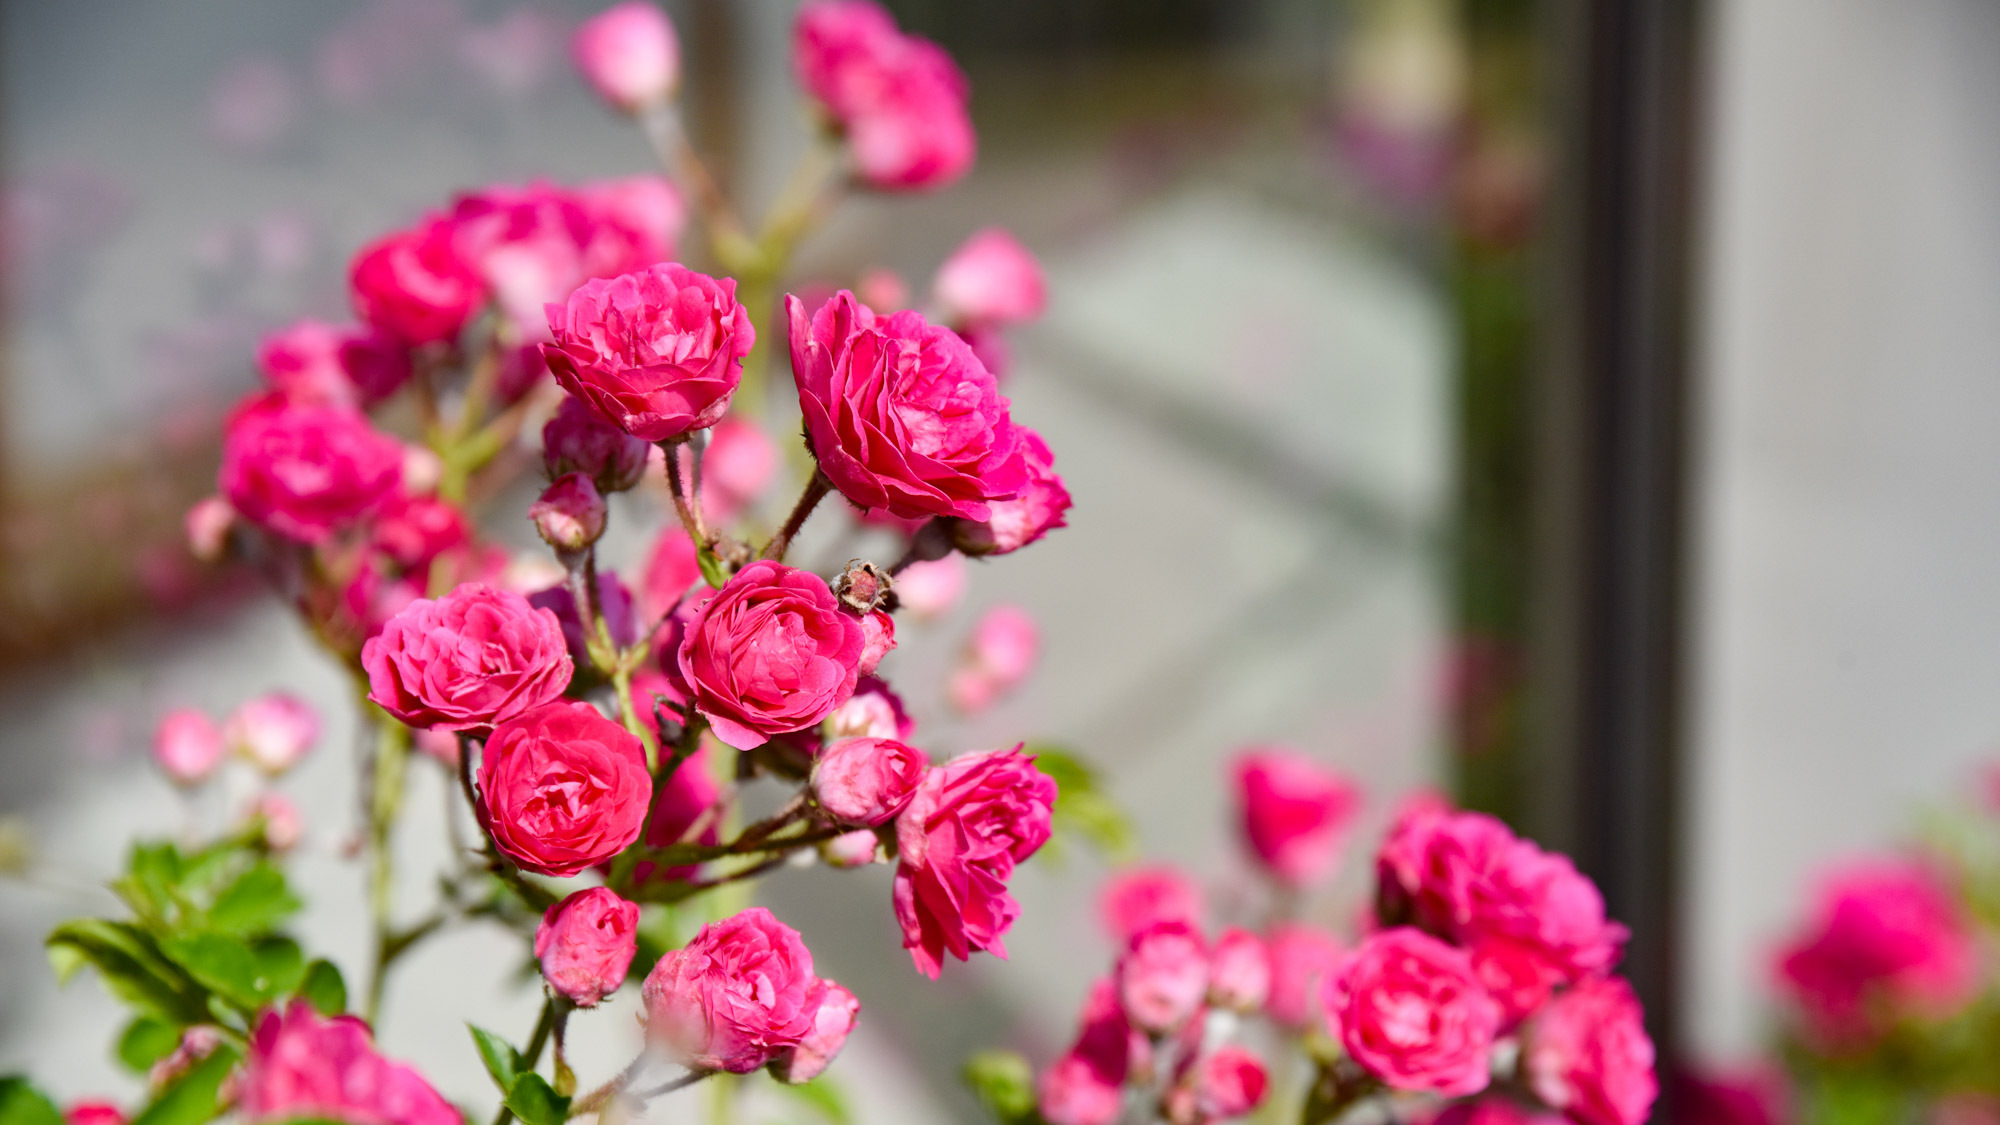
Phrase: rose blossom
(1501, 1111)
(1301, 959)
(639, 219)
(991, 279)
(475, 657)
(1042, 507)
(900, 98)
(736, 468)
(999, 654)
(283, 826)
(1227, 1082)
(858, 848)
(771, 652)
(315, 362)
(867, 781)
(878, 631)
(973, 819)
(1135, 898)
(656, 352)
(302, 1065)
(1163, 976)
(900, 414)
(1408, 1009)
(931, 589)
(413, 530)
(1295, 812)
(831, 1027)
(585, 943)
(873, 711)
(306, 472)
(187, 745)
(414, 285)
(1239, 971)
(576, 440)
(273, 731)
(90, 1112)
(562, 788)
(1075, 1092)
(629, 55)
(672, 568)
(737, 996)
(1084, 1087)
(569, 515)
(1587, 1054)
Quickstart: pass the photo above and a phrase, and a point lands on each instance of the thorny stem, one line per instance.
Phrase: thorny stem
(687, 503)
(816, 489)
(793, 809)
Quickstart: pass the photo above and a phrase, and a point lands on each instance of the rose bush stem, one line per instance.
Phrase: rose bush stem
(621, 682)
(793, 809)
(816, 489)
(532, 1053)
(687, 502)
(386, 796)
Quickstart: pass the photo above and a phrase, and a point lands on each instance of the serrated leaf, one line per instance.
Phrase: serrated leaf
(22, 1104)
(255, 903)
(193, 1097)
(224, 964)
(1004, 1083)
(133, 968)
(502, 1061)
(146, 1041)
(824, 1097)
(324, 988)
(535, 1102)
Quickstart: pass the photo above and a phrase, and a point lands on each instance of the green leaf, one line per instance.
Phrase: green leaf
(535, 1102)
(824, 1097)
(502, 1061)
(713, 571)
(133, 968)
(255, 903)
(224, 964)
(22, 1104)
(146, 1041)
(280, 966)
(324, 988)
(1005, 1084)
(192, 1098)
(1083, 808)
(151, 884)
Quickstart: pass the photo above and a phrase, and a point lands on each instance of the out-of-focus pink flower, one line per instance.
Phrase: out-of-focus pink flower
(831, 1027)
(866, 781)
(1136, 897)
(646, 211)
(413, 530)
(1756, 1097)
(991, 279)
(307, 472)
(187, 745)
(440, 746)
(629, 55)
(1226, 1083)
(998, 656)
(1408, 1009)
(1888, 938)
(300, 1064)
(672, 568)
(972, 821)
(414, 285)
(771, 652)
(1073, 1091)
(883, 290)
(312, 362)
(736, 997)
(569, 515)
(736, 468)
(576, 440)
(273, 732)
(1588, 1055)
(1965, 1108)
(208, 524)
(873, 711)
(585, 943)
(562, 788)
(284, 825)
(1042, 507)
(1495, 1110)
(899, 97)
(858, 848)
(473, 658)
(685, 801)
(1163, 976)
(1239, 971)
(92, 1112)
(1295, 812)
(931, 589)
(1301, 959)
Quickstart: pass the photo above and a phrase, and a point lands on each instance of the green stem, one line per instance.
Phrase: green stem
(621, 681)
(687, 501)
(386, 798)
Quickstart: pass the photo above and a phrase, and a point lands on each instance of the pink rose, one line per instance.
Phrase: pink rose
(831, 1027)
(534, 244)
(413, 530)
(999, 654)
(1041, 507)
(187, 745)
(1074, 1091)
(1500, 1111)
(639, 219)
(973, 819)
(569, 515)
(562, 788)
(413, 285)
(1239, 971)
(929, 590)
(873, 711)
(656, 352)
(1137, 897)
(832, 42)
(878, 632)
(1295, 812)
(1228, 1082)
(307, 472)
(736, 997)
(900, 414)
(770, 653)
(1588, 1055)
(1517, 976)
(272, 731)
(629, 55)
(858, 848)
(585, 943)
(736, 468)
(473, 658)
(1408, 1009)
(208, 524)
(991, 279)
(672, 568)
(301, 1065)
(312, 362)
(900, 98)
(576, 440)
(867, 781)
(1163, 976)
(1886, 934)
(90, 1112)
(1301, 960)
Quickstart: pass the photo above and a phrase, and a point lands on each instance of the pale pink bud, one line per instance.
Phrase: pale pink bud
(570, 515)
(1239, 971)
(283, 826)
(931, 589)
(808, 1060)
(992, 279)
(629, 55)
(878, 632)
(586, 942)
(197, 1043)
(208, 524)
(1163, 976)
(187, 745)
(873, 711)
(1076, 1091)
(858, 848)
(1005, 643)
(1228, 1082)
(272, 731)
(867, 781)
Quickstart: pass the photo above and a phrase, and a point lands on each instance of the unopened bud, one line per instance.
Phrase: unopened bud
(576, 440)
(858, 848)
(208, 524)
(570, 514)
(862, 586)
(629, 55)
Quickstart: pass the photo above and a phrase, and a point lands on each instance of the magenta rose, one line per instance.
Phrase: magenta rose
(866, 781)
(414, 285)
(473, 658)
(972, 821)
(1042, 506)
(1226, 1083)
(1500, 1111)
(562, 788)
(1239, 971)
(1588, 1055)
(313, 362)
(656, 352)
(1163, 976)
(900, 98)
(991, 279)
(307, 472)
(629, 55)
(1295, 812)
(1137, 897)
(413, 530)
(831, 1027)
(93, 1112)
(770, 653)
(738, 996)
(585, 943)
(576, 440)
(1301, 960)
(901, 415)
(1407, 1007)
(301, 1065)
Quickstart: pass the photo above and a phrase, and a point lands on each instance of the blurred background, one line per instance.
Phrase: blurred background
(1584, 407)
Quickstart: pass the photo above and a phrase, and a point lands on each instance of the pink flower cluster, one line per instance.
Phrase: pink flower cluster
(899, 99)
(272, 732)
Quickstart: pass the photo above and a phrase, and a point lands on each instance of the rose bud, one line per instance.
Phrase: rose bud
(1041, 507)
(1588, 1055)
(770, 653)
(197, 1043)
(867, 781)
(576, 440)
(90, 1112)
(585, 943)
(1239, 972)
(272, 731)
(737, 996)
(300, 1064)
(570, 514)
(997, 657)
(991, 279)
(413, 285)
(831, 1027)
(656, 352)
(900, 414)
(878, 631)
(858, 848)
(207, 524)
(1226, 1083)
(1075, 1092)
(629, 55)
(1295, 813)
(563, 788)
(900, 98)
(283, 826)
(861, 586)
(1301, 959)
(873, 711)
(187, 745)
(1409, 1010)
(931, 589)
(1163, 976)
(1137, 897)
(307, 472)
(736, 468)
(475, 657)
